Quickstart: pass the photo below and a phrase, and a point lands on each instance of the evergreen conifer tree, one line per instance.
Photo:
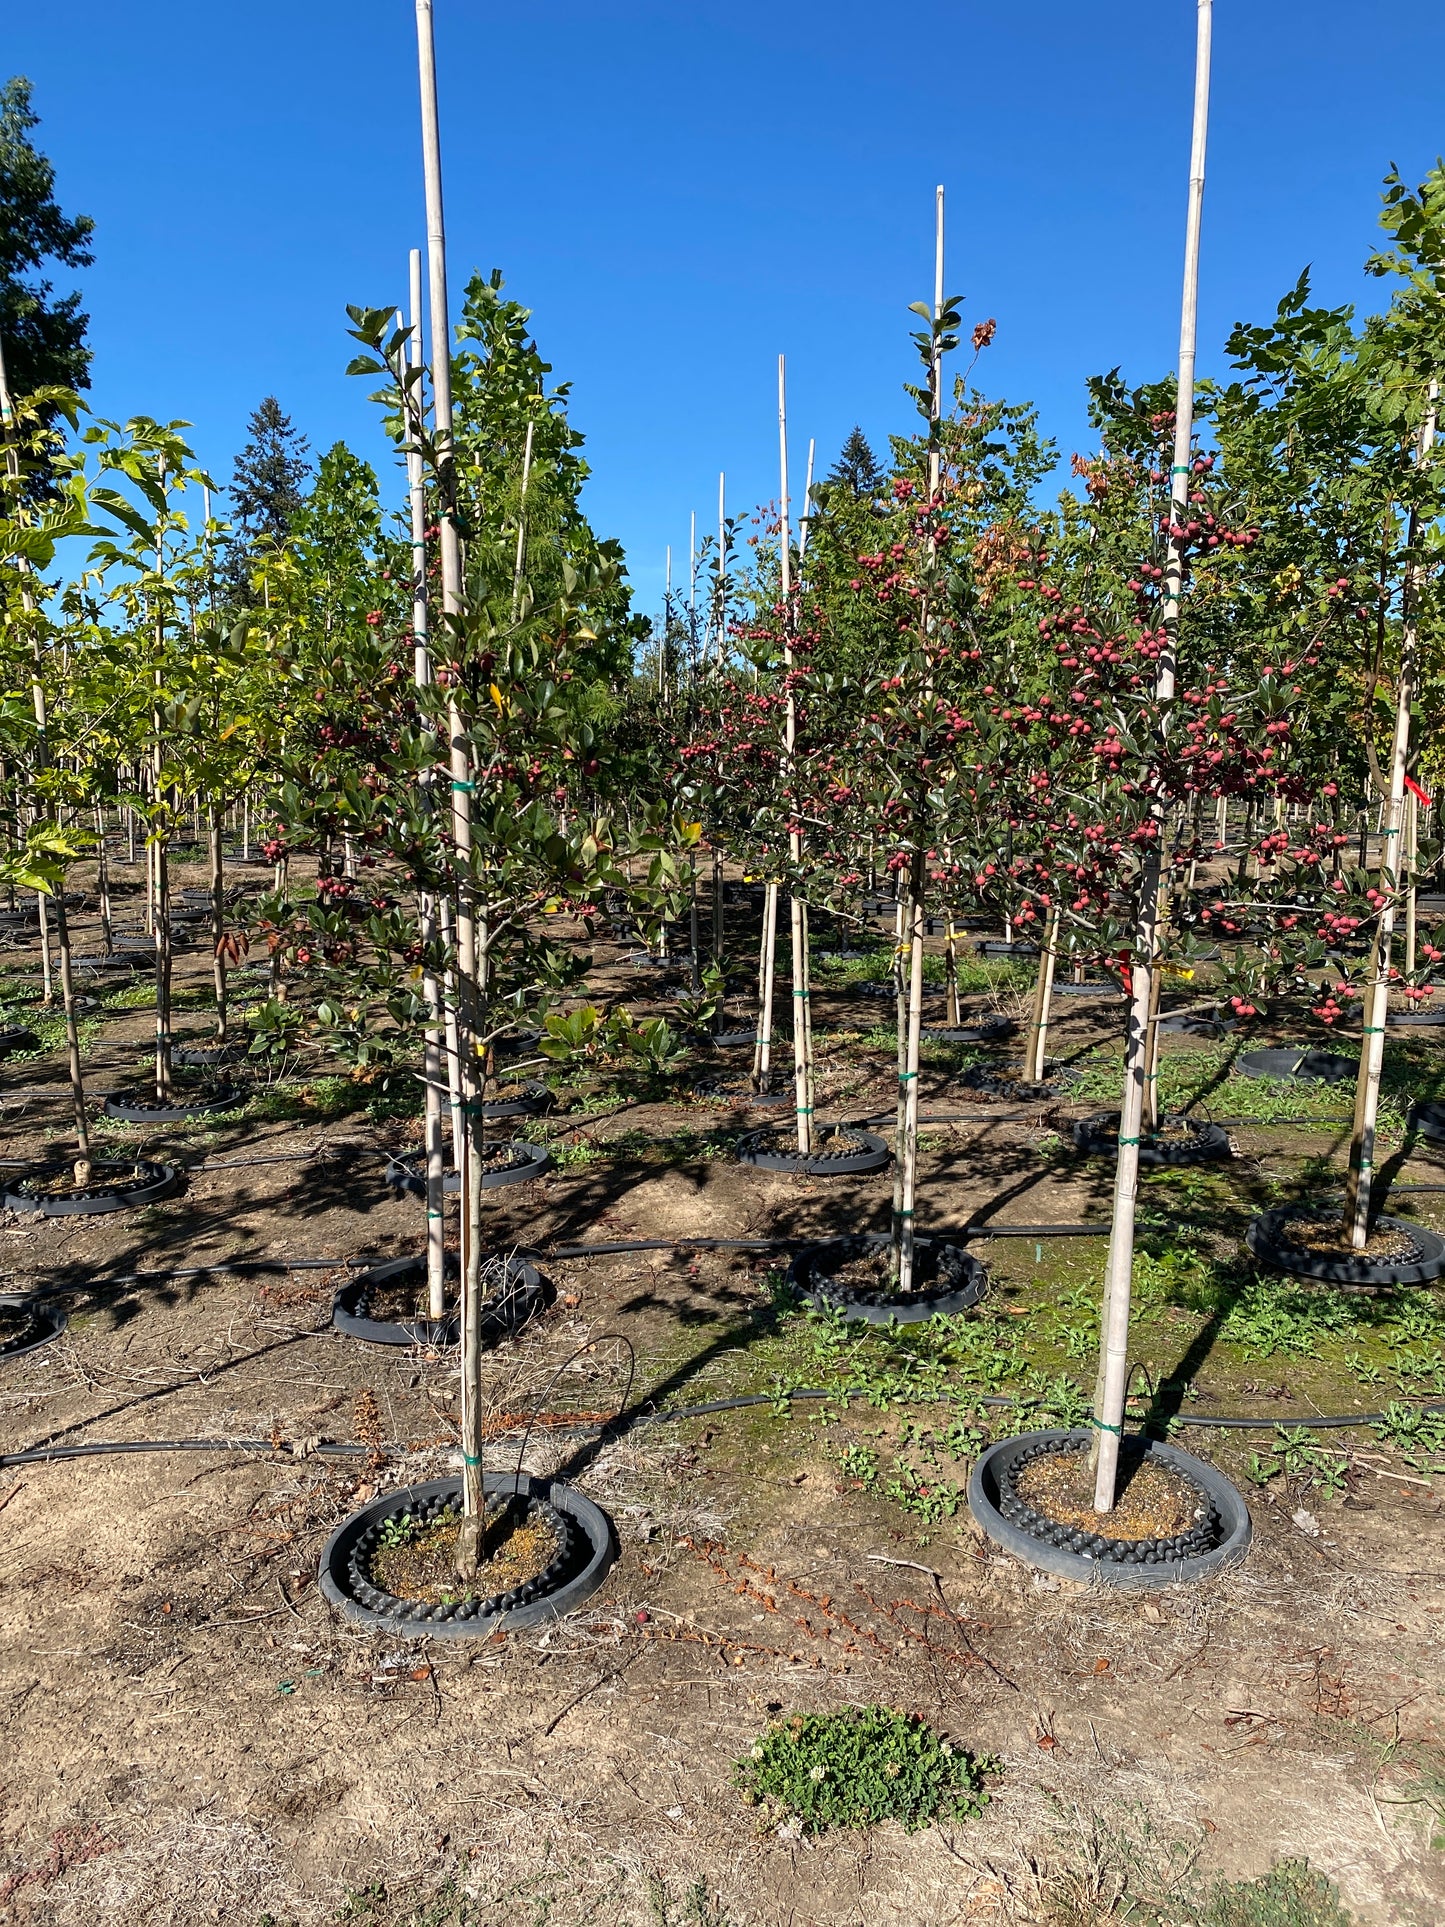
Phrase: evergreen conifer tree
(856, 467)
(267, 484)
(43, 334)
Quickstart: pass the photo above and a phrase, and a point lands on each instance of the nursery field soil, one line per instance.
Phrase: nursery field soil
(1324, 1238)
(399, 1302)
(192, 1736)
(1152, 1502)
(423, 1565)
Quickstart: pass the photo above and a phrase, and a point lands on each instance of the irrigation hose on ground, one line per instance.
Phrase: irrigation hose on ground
(327, 1448)
(42, 1455)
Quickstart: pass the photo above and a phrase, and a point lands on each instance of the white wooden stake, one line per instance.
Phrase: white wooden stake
(802, 1080)
(1114, 1360)
(1360, 1182)
(432, 1062)
(470, 988)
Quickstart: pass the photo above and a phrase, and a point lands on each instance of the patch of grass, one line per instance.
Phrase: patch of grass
(697, 1907)
(1206, 1076)
(1096, 1870)
(1293, 1894)
(857, 1768)
(48, 1027)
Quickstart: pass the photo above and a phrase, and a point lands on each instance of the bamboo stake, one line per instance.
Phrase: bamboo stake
(1360, 1182)
(432, 992)
(1113, 1364)
(470, 940)
(802, 1080)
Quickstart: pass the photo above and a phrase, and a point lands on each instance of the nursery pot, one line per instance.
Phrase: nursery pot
(1421, 1260)
(1219, 1537)
(949, 1279)
(839, 1153)
(516, 1292)
(585, 1552)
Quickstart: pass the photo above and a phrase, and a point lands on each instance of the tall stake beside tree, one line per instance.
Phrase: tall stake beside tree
(470, 941)
(915, 916)
(1360, 1182)
(1112, 1381)
(802, 1069)
(433, 1065)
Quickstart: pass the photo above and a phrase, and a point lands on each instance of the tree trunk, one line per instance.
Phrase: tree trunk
(903, 1227)
(1360, 1181)
(802, 1079)
(72, 1045)
(1111, 1384)
(163, 972)
(47, 981)
(762, 1050)
(1037, 1046)
(218, 921)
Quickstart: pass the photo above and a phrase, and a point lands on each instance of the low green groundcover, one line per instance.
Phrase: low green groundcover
(860, 1766)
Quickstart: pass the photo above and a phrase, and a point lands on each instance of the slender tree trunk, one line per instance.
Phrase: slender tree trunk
(1112, 1381)
(767, 959)
(902, 935)
(107, 933)
(950, 970)
(1412, 852)
(903, 1228)
(218, 923)
(47, 981)
(1037, 1048)
(72, 1046)
(163, 972)
(802, 1082)
(694, 932)
(452, 1037)
(1360, 1182)
(717, 907)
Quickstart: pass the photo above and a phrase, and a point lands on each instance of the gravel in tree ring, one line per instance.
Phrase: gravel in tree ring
(1200, 1533)
(430, 1516)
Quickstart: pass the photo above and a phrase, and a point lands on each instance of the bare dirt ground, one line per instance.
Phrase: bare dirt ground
(191, 1735)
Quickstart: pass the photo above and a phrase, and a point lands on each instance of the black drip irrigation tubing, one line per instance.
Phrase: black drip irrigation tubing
(103, 1448)
(1323, 1421)
(325, 1448)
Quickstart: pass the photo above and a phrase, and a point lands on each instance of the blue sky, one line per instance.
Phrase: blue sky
(682, 191)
